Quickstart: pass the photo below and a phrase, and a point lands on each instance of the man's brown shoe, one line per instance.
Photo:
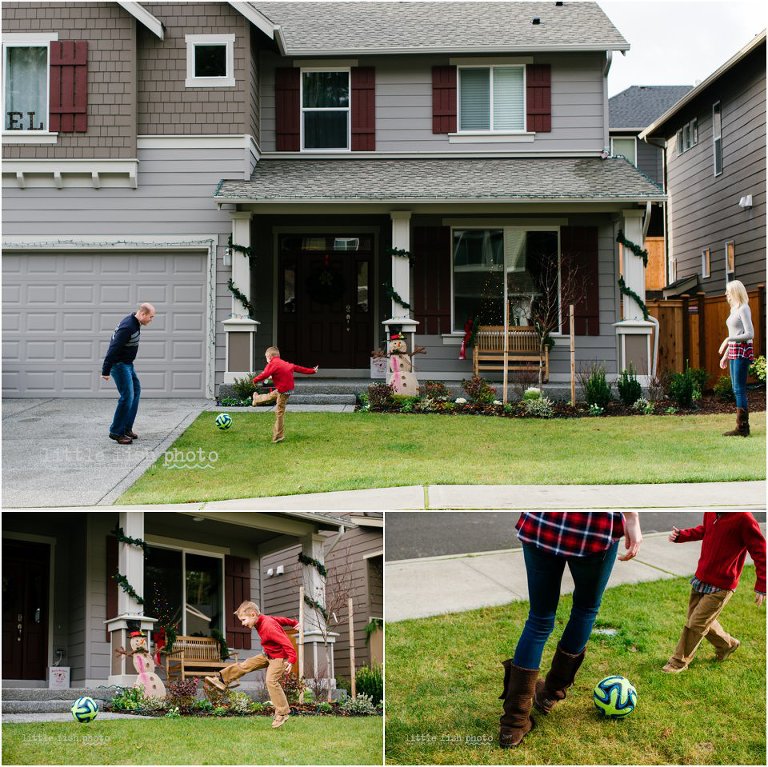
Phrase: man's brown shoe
(730, 651)
(131, 434)
(279, 720)
(670, 668)
(216, 682)
(121, 439)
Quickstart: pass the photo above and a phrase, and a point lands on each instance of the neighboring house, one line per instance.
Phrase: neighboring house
(355, 563)
(329, 140)
(61, 603)
(714, 142)
(630, 111)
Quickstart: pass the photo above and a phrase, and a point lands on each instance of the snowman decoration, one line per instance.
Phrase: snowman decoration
(145, 667)
(400, 373)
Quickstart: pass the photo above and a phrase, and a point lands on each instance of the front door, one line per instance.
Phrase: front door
(324, 313)
(25, 609)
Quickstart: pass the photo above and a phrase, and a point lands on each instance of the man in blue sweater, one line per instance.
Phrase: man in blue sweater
(119, 364)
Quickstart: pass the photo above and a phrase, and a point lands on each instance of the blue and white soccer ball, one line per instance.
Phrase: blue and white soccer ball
(85, 709)
(223, 421)
(615, 697)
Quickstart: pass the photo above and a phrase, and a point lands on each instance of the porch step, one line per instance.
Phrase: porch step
(322, 399)
(26, 700)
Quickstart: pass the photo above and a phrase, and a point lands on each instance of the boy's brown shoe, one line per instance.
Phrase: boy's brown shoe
(216, 681)
(671, 668)
(730, 651)
(279, 720)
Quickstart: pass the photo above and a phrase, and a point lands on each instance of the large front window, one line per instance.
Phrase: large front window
(26, 87)
(491, 265)
(492, 98)
(325, 109)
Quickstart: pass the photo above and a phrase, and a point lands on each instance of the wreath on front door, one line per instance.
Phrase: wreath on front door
(325, 286)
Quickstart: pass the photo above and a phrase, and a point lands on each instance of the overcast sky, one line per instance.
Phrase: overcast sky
(678, 42)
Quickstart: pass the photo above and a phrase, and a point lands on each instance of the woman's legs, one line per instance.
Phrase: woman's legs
(739, 369)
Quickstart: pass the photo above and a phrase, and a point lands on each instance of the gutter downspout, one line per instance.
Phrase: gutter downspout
(336, 540)
(655, 358)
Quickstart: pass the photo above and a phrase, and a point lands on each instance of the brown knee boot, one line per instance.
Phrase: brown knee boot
(516, 721)
(551, 690)
(742, 424)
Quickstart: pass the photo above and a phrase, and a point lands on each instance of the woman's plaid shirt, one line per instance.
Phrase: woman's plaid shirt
(571, 533)
(741, 349)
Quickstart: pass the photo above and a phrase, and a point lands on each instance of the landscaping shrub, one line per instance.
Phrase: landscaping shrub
(325, 707)
(128, 699)
(757, 369)
(293, 687)
(531, 393)
(684, 387)
(360, 705)
(380, 396)
(203, 705)
(595, 409)
(658, 386)
(369, 680)
(724, 388)
(405, 402)
(479, 390)
(700, 378)
(181, 694)
(435, 390)
(240, 703)
(643, 406)
(629, 387)
(244, 388)
(233, 402)
(539, 408)
(597, 391)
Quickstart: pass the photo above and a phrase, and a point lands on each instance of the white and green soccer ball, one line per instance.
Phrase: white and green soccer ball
(223, 421)
(615, 697)
(85, 710)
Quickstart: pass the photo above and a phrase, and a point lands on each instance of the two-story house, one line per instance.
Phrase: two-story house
(413, 163)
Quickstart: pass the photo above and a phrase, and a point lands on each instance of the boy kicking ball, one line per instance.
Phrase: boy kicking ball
(277, 657)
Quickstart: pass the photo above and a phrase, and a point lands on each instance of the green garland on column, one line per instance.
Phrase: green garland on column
(401, 253)
(123, 538)
(241, 297)
(633, 246)
(317, 606)
(122, 581)
(319, 566)
(631, 293)
(246, 251)
(392, 295)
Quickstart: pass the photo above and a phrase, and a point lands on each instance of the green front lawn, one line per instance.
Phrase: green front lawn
(444, 676)
(301, 740)
(350, 451)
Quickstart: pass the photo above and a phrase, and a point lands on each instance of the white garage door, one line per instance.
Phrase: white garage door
(59, 312)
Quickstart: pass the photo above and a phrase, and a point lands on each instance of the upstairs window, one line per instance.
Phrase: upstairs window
(730, 259)
(688, 136)
(717, 138)
(492, 99)
(626, 148)
(325, 109)
(26, 87)
(210, 61)
(706, 263)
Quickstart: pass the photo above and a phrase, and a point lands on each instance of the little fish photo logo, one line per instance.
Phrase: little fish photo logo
(190, 459)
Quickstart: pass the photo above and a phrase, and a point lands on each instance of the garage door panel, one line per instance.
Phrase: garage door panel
(60, 311)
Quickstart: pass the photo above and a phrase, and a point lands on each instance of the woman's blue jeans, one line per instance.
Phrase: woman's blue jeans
(545, 575)
(128, 386)
(739, 369)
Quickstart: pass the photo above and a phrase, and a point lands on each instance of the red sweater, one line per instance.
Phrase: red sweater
(726, 540)
(274, 641)
(282, 373)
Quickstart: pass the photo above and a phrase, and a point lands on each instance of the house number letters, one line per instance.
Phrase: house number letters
(15, 121)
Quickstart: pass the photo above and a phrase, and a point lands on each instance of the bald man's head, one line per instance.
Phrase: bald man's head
(146, 314)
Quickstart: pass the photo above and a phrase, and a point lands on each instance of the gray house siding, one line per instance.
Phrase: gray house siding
(704, 210)
(650, 160)
(111, 35)
(404, 106)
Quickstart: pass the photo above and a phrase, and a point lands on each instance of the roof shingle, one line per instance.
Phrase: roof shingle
(639, 105)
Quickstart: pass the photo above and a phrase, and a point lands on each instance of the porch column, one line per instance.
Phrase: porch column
(401, 272)
(130, 614)
(633, 331)
(318, 664)
(240, 328)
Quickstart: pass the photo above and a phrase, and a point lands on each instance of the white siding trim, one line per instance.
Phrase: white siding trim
(19, 137)
(491, 61)
(91, 169)
(490, 138)
(19, 38)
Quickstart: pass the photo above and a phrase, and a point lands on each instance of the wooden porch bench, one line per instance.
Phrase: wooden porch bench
(195, 656)
(523, 349)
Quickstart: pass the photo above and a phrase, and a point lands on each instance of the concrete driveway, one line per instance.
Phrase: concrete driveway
(56, 452)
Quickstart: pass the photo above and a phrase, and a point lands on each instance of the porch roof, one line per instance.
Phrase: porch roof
(590, 179)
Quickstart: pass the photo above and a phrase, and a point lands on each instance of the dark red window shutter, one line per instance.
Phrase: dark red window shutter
(443, 99)
(363, 109)
(578, 246)
(432, 279)
(538, 92)
(287, 109)
(69, 86)
(112, 565)
(237, 589)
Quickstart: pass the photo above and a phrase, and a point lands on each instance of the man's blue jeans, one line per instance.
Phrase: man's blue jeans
(128, 385)
(739, 369)
(545, 575)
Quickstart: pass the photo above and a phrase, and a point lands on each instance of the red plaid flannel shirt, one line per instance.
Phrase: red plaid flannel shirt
(739, 349)
(571, 533)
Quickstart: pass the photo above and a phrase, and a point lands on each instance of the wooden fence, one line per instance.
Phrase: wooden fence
(691, 329)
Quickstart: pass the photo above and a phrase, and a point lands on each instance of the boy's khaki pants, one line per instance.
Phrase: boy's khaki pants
(282, 402)
(703, 610)
(274, 668)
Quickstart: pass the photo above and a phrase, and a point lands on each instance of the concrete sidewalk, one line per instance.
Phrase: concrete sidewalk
(419, 588)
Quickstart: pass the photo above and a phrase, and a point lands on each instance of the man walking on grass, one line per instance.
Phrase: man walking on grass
(118, 363)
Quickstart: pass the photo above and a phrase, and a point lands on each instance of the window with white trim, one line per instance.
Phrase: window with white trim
(492, 99)
(730, 258)
(625, 147)
(325, 109)
(706, 263)
(717, 138)
(483, 257)
(210, 61)
(26, 78)
(688, 136)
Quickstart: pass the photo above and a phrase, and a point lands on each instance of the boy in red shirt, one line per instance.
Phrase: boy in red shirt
(282, 376)
(277, 656)
(727, 537)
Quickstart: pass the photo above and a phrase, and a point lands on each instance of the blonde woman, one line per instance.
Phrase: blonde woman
(737, 353)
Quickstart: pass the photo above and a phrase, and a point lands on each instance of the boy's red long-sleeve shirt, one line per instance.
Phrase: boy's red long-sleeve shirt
(725, 542)
(274, 641)
(282, 373)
